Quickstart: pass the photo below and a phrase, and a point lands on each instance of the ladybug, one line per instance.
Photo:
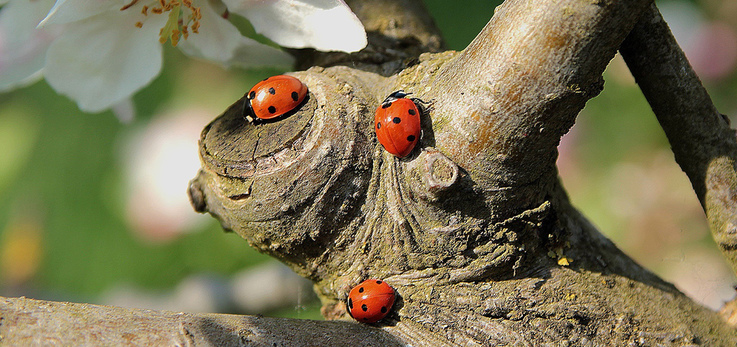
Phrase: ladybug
(370, 301)
(397, 124)
(274, 97)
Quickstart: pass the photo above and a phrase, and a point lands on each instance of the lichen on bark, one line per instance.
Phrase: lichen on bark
(473, 229)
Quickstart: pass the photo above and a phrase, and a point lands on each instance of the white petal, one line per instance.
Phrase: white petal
(125, 111)
(326, 25)
(102, 60)
(22, 46)
(218, 40)
(66, 11)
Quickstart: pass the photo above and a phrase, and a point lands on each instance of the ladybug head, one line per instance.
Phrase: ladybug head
(399, 94)
(248, 110)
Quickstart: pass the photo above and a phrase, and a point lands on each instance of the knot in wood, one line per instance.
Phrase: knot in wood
(290, 186)
(440, 172)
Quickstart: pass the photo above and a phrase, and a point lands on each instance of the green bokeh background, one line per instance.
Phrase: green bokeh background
(63, 168)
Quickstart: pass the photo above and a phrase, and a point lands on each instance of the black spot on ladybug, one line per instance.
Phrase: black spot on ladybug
(364, 308)
(295, 96)
(266, 79)
(272, 109)
(386, 105)
(396, 120)
(378, 125)
(251, 95)
(411, 111)
(411, 138)
(272, 91)
(350, 303)
(378, 281)
(383, 309)
(360, 290)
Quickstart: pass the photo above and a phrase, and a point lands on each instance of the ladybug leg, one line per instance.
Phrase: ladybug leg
(253, 120)
(424, 106)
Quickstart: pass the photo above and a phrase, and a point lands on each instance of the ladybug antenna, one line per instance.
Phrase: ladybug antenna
(422, 105)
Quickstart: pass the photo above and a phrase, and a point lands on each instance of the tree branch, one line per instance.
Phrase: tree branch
(473, 229)
(702, 142)
(28, 322)
(512, 94)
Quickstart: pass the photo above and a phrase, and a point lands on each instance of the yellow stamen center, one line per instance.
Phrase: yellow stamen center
(183, 18)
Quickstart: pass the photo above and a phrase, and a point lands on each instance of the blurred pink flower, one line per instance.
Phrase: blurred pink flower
(159, 161)
(710, 46)
(713, 53)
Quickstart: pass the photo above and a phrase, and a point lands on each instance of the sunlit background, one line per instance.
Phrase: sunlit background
(93, 210)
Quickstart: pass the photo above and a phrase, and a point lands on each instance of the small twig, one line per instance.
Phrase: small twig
(703, 143)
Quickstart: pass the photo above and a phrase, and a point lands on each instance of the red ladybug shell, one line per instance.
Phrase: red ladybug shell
(274, 97)
(370, 301)
(397, 124)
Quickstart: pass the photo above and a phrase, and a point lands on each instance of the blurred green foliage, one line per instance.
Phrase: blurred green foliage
(461, 21)
(70, 175)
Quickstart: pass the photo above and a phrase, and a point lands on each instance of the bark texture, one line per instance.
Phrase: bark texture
(473, 229)
(703, 143)
(28, 322)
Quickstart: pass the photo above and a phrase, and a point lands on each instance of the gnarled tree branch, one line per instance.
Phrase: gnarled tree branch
(509, 97)
(703, 143)
(473, 229)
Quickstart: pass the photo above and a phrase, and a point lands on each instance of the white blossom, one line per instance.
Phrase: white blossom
(22, 45)
(100, 52)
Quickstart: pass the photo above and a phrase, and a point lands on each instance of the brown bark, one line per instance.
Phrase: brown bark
(703, 143)
(28, 322)
(473, 229)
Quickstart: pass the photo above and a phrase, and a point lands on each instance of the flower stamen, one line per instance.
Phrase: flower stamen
(129, 5)
(183, 18)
